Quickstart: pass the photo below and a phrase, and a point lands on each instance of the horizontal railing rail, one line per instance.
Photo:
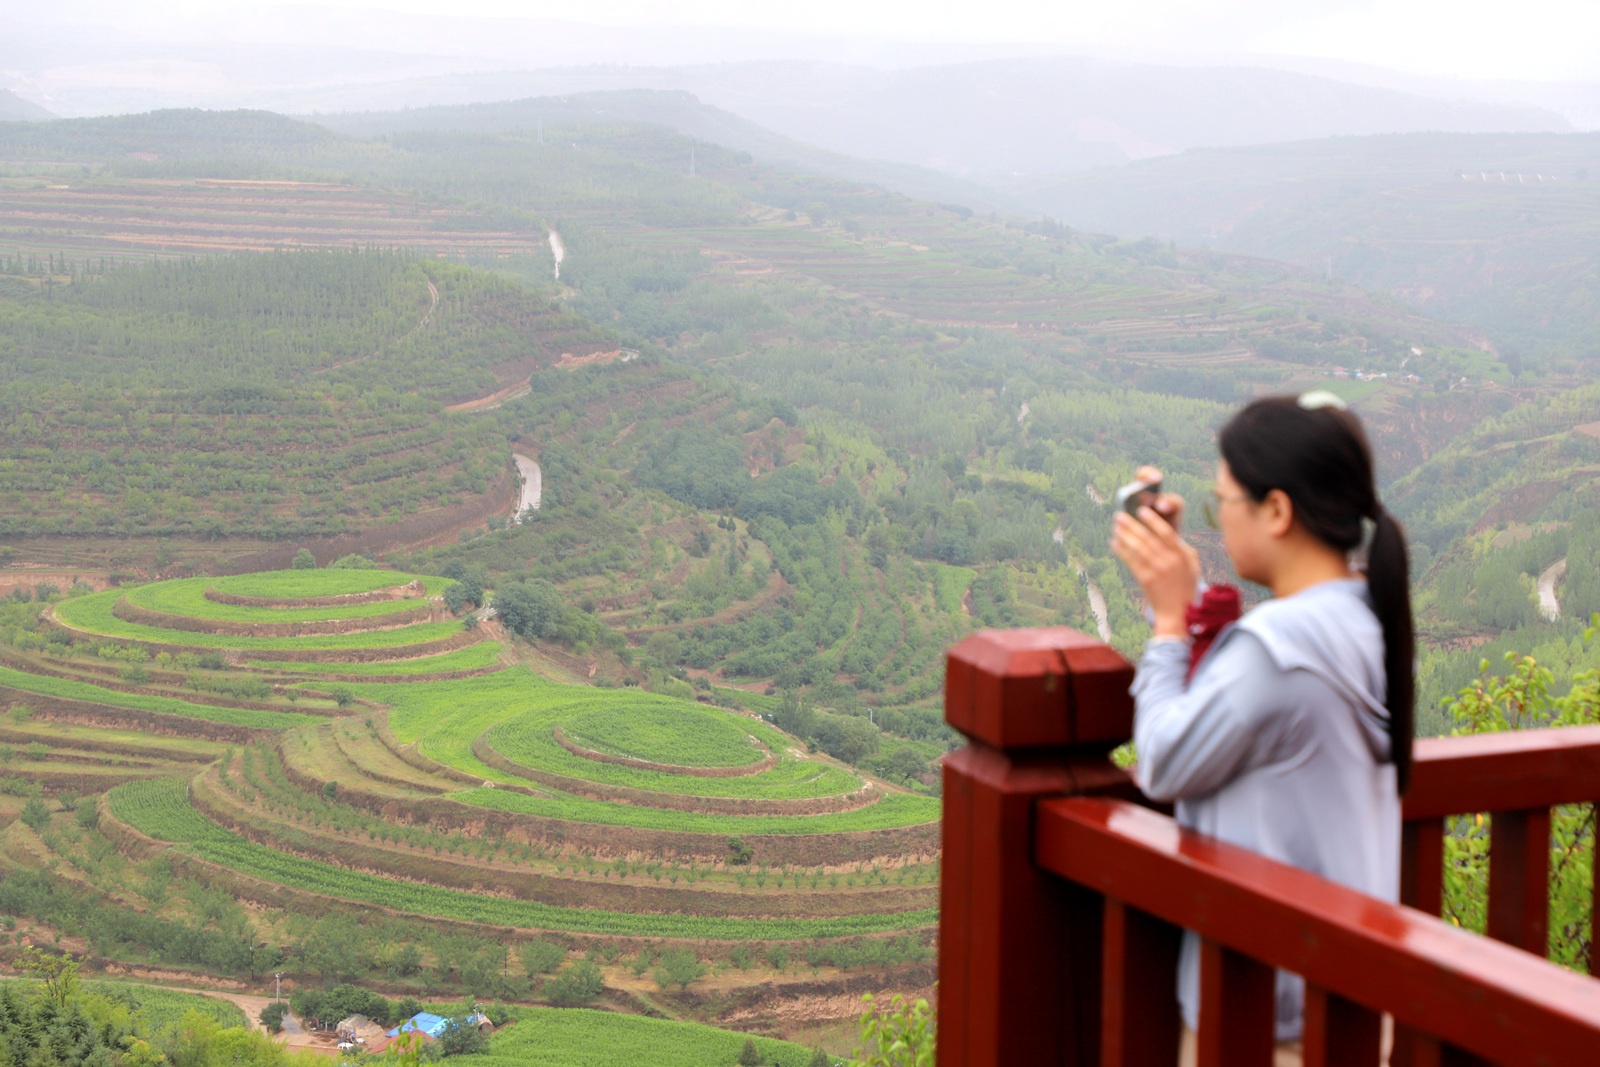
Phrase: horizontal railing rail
(1514, 779)
(1359, 956)
(1063, 895)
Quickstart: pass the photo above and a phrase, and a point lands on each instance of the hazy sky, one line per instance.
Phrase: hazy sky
(1521, 39)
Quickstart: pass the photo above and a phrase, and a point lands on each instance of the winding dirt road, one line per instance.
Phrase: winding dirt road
(1097, 599)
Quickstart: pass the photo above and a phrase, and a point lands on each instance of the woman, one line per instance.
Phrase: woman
(1293, 738)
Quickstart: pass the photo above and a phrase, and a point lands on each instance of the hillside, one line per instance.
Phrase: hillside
(254, 397)
(1492, 230)
(957, 389)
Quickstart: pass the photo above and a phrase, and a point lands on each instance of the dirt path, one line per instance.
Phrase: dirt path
(1097, 599)
(495, 399)
(558, 251)
(532, 483)
(1549, 606)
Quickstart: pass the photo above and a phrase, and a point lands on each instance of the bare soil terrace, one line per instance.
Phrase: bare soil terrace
(140, 216)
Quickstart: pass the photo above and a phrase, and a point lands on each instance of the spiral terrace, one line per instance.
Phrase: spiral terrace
(385, 759)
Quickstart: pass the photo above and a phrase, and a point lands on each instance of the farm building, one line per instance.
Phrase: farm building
(430, 1025)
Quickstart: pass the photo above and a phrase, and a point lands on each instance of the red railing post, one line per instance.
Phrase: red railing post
(1020, 965)
(1519, 879)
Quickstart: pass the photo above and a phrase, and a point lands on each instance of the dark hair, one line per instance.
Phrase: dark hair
(1320, 458)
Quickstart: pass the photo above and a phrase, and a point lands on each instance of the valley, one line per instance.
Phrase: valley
(466, 560)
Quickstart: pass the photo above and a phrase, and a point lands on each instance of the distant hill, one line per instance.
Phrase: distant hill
(1003, 117)
(15, 109)
(679, 111)
(1499, 231)
(187, 133)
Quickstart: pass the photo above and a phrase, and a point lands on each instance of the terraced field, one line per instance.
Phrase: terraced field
(142, 217)
(348, 770)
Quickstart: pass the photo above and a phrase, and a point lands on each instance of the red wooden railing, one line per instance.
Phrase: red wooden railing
(1064, 893)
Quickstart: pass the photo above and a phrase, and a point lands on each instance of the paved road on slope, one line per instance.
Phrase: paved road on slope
(1549, 606)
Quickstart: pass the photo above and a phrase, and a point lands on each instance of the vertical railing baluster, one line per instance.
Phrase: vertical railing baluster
(1421, 887)
(1238, 1009)
(1339, 1032)
(1594, 894)
(1139, 1023)
(1519, 879)
(1422, 865)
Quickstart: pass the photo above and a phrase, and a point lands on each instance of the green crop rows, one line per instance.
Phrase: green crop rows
(186, 597)
(160, 808)
(528, 740)
(446, 717)
(294, 585)
(71, 690)
(568, 1037)
(679, 736)
(92, 614)
(473, 657)
(161, 1008)
(894, 810)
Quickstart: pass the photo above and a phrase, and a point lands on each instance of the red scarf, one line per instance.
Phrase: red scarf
(1218, 606)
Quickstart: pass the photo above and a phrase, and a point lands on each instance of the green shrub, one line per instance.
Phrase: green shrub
(897, 1035)
(541, 957)
(36, 813)
(272, 1016)
(87, 812)
(679, 967)
(578, 984)
(304, 560)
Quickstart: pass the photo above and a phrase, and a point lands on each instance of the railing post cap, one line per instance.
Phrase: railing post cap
(1049, 687)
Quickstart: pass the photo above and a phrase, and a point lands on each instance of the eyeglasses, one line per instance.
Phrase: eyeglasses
(1212, 507)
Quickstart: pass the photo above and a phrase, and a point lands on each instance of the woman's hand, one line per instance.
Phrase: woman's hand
(1165, 566)
(1169, 506)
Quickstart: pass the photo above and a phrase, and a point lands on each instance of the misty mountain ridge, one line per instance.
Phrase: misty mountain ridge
(1497, 231)
(1009, 117)
(14, 108)
(683, 113)
(1202, 195)
(985, 118)
(1025, 116)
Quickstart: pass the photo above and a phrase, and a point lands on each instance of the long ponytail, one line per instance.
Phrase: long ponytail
(1389, 582)
(1316, 451)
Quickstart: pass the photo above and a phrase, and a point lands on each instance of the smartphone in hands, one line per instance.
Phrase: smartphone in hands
(1136, 495)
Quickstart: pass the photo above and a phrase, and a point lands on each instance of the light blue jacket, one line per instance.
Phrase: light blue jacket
(1278, 744)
